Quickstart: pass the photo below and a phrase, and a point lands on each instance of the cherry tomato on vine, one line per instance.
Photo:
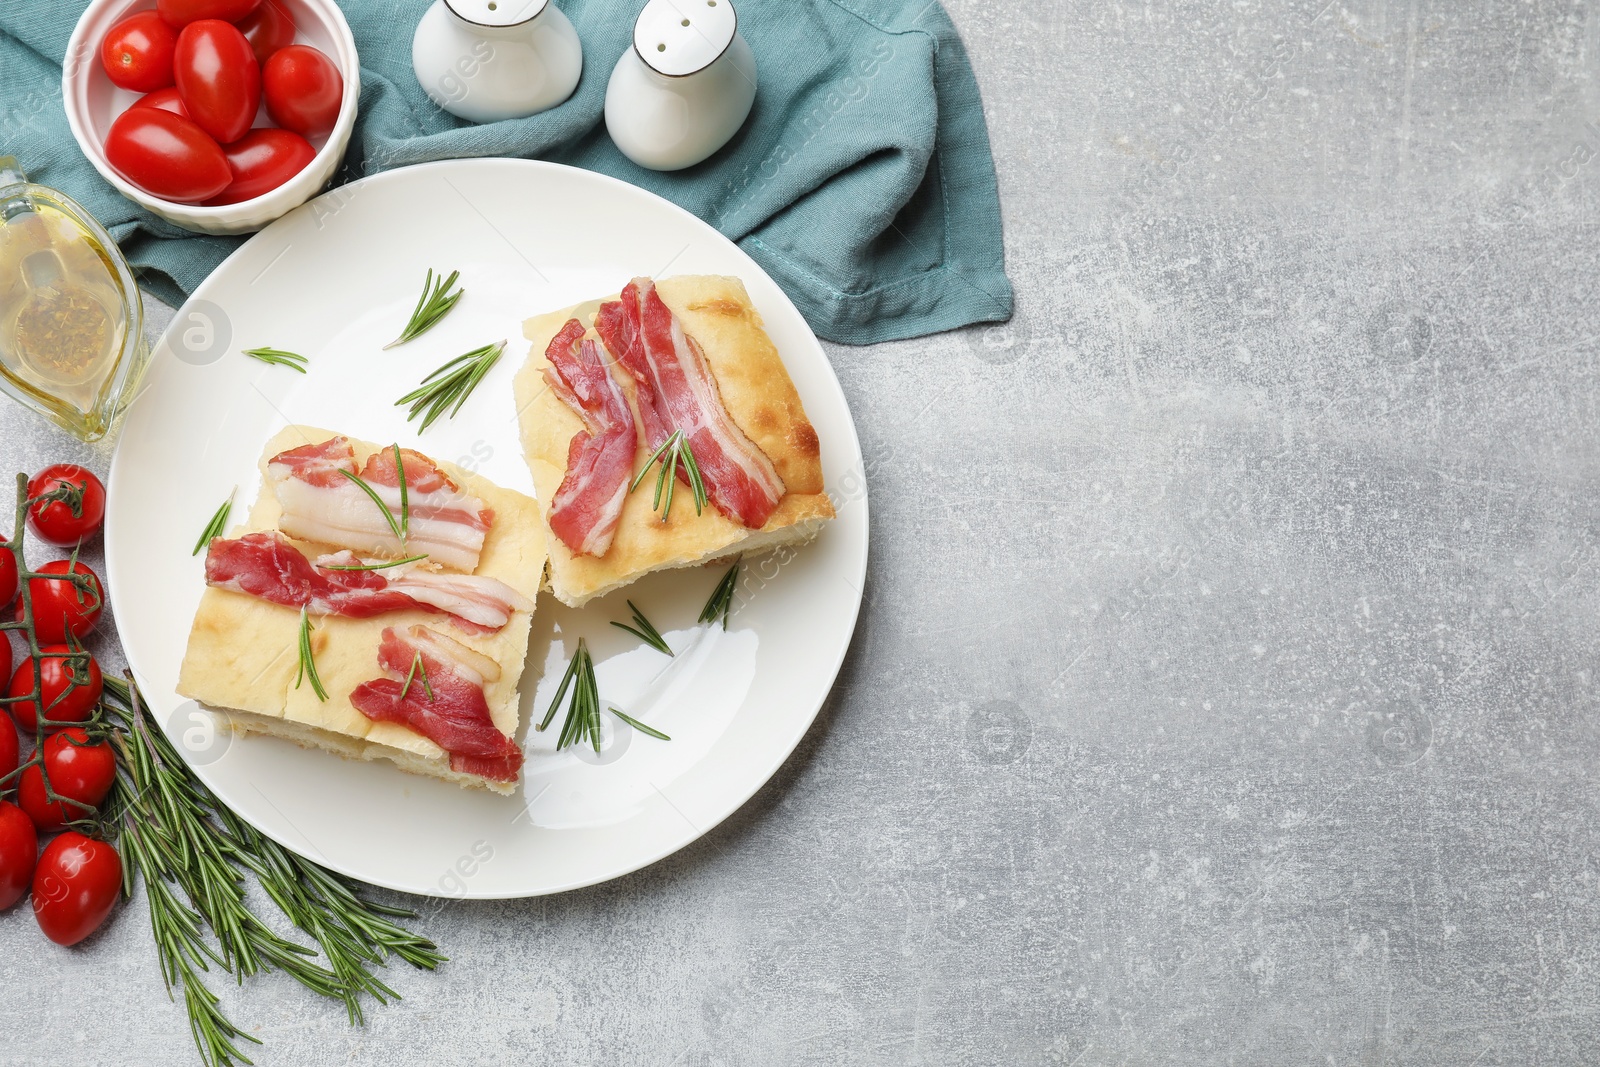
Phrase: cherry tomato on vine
(10, 751)
(166, 155)
(75, 887)
(8, 574)
(166, 99)
(267, 28)
(179, 13)
(303, 89)
(59, 521)
(78, 769)
(219, 78)
(19, 845)
(60, 605)
(261, 161)
(72, 687)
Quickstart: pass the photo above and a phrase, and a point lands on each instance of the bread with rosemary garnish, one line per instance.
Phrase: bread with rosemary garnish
(243, 654)
(748, 379)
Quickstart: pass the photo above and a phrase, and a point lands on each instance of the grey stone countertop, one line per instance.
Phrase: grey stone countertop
(1225, 692)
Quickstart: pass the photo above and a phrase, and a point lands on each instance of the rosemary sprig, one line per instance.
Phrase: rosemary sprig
(583, 714)
(673, 451)
(184, 843)
(721, 602)
(308, 660)
(434, 304)
(388, 516)
(405, 494)
(450, 384)
(644, 631)
(641, 727)
(385, 565)
(218, 523)
(418, 670)
(278, 357)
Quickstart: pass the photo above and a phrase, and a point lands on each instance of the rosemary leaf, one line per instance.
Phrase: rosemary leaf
(405, 495)
(721, 601)
(583, 713)
(418, 670)
(644, 631)
(673, 451)
(385, 565)
(641, 727)
(278, 357)
(450, 385)
(218, 523)
(434, 304)
(394, 523)
(308, 660)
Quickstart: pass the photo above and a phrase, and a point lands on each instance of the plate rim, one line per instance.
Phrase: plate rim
(737, 799)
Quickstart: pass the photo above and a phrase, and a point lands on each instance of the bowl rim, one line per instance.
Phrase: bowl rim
(82, 57)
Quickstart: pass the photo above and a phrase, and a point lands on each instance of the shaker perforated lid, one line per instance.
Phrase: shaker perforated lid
(678, 37)
(496, 12)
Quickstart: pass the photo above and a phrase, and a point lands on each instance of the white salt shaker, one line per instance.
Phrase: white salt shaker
(685, 87)
(487, 60)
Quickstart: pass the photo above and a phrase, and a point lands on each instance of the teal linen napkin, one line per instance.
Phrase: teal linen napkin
(862, 181)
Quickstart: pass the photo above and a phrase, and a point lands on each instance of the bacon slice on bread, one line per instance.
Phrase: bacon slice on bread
(690, 354)
(243, 647)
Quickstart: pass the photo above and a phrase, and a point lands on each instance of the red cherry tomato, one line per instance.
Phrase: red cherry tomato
(10, 751)
(261, 161)
(8, 574)
(219, 78)
(137, 52)
(72, 520)
(303, 89)
(75, 887)
(61, 606)
(167, 155)
(179, 13)
(78, 771)
(267, 28)
(71, 687)
(19, 846)
(166, 99)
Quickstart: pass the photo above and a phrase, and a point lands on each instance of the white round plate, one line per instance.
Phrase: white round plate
(335, 280)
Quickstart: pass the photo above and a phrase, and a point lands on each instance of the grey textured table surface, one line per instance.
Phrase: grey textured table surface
(1226, 689)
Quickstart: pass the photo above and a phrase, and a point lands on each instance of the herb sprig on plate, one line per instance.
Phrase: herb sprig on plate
(218, 523)
(279, 358)
(435, 303)
(450, 385)
(721, 600)
(644, 631)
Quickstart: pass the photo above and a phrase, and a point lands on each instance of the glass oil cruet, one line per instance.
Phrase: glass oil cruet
(71, 318)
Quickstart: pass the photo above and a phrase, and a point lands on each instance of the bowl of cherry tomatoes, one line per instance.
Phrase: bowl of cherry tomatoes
(217, 115)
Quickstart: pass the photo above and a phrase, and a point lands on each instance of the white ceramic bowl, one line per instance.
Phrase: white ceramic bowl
(93, 103)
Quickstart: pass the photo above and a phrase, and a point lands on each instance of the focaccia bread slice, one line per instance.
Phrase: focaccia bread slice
(243, 651)
(760, 399)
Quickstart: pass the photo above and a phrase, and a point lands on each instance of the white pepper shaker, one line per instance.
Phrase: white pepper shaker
(685, 87)
(487, 60)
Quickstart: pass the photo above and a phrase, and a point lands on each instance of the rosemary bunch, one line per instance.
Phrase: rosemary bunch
(194, 856)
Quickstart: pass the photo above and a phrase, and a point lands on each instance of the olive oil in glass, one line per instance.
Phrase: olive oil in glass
(71, 319)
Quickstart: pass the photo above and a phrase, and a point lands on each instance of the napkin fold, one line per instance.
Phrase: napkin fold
(862, 181)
